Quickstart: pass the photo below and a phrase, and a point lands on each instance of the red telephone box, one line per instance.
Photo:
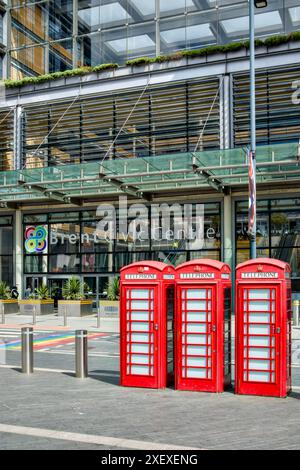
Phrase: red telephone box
(263, 328)
(147, 310)
(202, 326)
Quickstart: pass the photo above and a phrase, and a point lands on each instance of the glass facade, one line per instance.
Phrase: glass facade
(6, 249)
(56, 35)
(278, 232)
(74, 244)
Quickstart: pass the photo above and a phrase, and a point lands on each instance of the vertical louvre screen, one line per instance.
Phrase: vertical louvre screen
(277, 117)
(196, 333)
(6, 140)
(139, 331)
(259, 346)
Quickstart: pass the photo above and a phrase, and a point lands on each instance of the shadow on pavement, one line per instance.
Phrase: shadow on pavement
(107, 376)
(294, 395)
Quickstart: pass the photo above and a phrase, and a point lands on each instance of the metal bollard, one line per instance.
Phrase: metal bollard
(296, 308)
(34, 315)
(65, 316)
(2, 313)
(27, 350)
(81, 354)
(98, 317)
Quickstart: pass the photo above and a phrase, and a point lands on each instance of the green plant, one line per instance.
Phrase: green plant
(74, 289)
(57, 75)
(102, 67)
(4, 291)
(139, 61)
(294, 36)
(113, 289)
(276, 40)
(42, 292)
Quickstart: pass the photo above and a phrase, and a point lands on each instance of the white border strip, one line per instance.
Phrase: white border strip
(89, 438)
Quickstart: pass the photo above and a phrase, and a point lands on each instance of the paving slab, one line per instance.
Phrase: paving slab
(98, 406)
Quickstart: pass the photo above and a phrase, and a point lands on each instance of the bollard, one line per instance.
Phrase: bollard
(296, 308)
(98, 317)
(81, 354)
(34, 315)
(65, 316)
(27, 350)
(3, 313)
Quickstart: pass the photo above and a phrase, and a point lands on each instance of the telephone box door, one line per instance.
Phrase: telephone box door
(196, 337)
(141, 330)
(259, 333)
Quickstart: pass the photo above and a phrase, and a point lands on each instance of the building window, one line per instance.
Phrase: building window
(6, 250)
(79, 246)
(107, 31)
(277, 116)
(278, 232)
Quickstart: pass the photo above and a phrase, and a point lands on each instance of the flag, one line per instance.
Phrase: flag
(252, 192)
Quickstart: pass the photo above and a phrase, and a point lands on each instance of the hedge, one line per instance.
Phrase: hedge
(57, 75)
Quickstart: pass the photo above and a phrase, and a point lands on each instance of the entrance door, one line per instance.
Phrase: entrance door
(196, 339)
(55, 289)
(140, 344)
(31, 284)
(258, 341)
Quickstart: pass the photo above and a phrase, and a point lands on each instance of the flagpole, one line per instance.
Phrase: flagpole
(252, 153)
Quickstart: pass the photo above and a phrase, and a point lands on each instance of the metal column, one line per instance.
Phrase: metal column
(81, 354)
(27, 350)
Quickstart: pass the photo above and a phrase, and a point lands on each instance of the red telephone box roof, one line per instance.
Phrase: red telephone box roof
(151, 264)
(265, 261)
(218, 265)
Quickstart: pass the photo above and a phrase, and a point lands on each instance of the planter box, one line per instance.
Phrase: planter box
(75, 308)
(42, 307)
(109, 308)
(279, 48)
(237, 54)
(9, 306)
(294, 44)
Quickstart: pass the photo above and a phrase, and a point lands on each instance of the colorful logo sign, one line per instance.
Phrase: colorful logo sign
(36, 239)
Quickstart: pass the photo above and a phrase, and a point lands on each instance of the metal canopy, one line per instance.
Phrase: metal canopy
(143, 177)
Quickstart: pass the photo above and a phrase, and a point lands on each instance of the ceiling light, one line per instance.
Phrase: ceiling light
(260, 3)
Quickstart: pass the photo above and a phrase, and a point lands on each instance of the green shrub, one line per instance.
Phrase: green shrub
(294, 36)
(99, 68)
(74, 289)
(139, 61)
(161, 58)
(4, 291)
(57, 75)
(42, 292)
(113, 289)
(276, 40)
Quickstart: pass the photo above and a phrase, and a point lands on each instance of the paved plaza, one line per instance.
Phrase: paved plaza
(52, 404)
(51, 409)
